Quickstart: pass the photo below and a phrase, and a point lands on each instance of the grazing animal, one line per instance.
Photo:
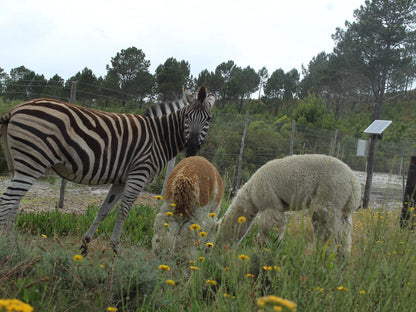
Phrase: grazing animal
(195, 190)
(324, 184)
(93, 147)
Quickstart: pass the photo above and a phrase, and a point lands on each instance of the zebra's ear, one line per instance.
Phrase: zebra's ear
(203, 98)
(187, 96)
(202, 94)
(210, 99)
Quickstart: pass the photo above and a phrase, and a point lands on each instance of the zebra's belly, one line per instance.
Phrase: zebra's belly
(68, 174)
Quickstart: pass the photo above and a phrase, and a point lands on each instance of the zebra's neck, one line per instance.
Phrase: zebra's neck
(171, 133)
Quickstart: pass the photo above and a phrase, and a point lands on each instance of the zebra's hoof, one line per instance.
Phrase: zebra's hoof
(84, 250)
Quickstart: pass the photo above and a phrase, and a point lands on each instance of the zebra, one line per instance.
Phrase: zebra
(94, 147)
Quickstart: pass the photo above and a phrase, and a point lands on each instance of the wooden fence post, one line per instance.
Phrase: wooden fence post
(370, 169)
(63, 181)
(292, 138)
(240, 158)
(171, 165)
(334, 143)
(409, 197)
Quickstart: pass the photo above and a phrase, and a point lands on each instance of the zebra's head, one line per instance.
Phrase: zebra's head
(197, 118)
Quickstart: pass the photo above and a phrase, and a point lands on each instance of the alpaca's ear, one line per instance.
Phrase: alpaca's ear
(187, 96)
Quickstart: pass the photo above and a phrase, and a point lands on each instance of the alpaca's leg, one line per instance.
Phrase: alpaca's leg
(345, 239)
(272, 219)
(329, 224)
(165, 228)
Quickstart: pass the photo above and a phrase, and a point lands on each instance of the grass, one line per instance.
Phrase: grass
(41, 266)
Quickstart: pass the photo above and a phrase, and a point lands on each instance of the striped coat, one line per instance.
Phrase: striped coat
(94, 147)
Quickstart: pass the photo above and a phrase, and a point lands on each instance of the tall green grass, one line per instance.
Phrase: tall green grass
(380, 274)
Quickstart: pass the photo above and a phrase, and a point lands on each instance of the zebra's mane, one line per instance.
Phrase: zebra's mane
(165, 108)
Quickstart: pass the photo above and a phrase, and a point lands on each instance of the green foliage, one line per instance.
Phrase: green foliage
(313, 112)
(49, 274)
(56, 223)
(171, 77)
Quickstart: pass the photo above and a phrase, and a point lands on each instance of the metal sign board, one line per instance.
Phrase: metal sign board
(362, 148)
(377, 126)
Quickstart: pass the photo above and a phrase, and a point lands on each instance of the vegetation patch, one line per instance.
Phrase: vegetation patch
(47, 272)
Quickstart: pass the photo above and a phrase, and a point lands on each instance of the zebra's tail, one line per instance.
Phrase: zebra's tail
(4, 122)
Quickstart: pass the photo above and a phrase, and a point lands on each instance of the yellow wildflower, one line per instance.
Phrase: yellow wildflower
(203, 234)
(241, 220)
(212, 215)
(170, 282)
(166, 224)
(78, 258)
(243, 257)
(209, 244)
(276, 302)
(267, 268)
(15, 305)
(164, 267)
(250, 275)
(44, 236)
(194, 268)
(158, 197)
(112, 309)
(169, 214)
(195, 227)
(172, 204)
(211, 282)
(202, 259)
(362, 292)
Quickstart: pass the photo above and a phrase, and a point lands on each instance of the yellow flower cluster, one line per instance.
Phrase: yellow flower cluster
(243, 257)
(163, 267)
(241, 220)
(195, 227)
(78, 258)
(15, 305)
(278, 303)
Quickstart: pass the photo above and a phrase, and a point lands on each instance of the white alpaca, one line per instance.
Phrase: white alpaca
(195, 189)
(324, 184)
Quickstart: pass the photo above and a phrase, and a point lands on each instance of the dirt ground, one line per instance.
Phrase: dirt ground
(386, 193)
(44, 196)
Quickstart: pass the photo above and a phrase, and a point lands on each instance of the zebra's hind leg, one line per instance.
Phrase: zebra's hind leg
(10, 200)
(110, 200)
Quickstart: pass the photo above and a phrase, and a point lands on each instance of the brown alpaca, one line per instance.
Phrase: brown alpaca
(193, 195)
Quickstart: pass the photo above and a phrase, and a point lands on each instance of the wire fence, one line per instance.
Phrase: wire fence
(268, 138)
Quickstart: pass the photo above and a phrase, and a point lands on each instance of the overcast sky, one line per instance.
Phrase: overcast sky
(62, 37)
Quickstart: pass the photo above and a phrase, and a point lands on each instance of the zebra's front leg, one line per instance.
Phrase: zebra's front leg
(110, 200)
(130, 194)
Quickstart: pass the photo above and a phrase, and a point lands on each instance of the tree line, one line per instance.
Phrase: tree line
(373, 56)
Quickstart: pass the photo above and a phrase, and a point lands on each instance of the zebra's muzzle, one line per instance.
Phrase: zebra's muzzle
(192, 146)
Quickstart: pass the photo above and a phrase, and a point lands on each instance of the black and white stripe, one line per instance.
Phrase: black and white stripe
(94, 147)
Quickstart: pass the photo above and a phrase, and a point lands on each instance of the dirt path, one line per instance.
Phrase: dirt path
(386, 193)
(44, 196)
